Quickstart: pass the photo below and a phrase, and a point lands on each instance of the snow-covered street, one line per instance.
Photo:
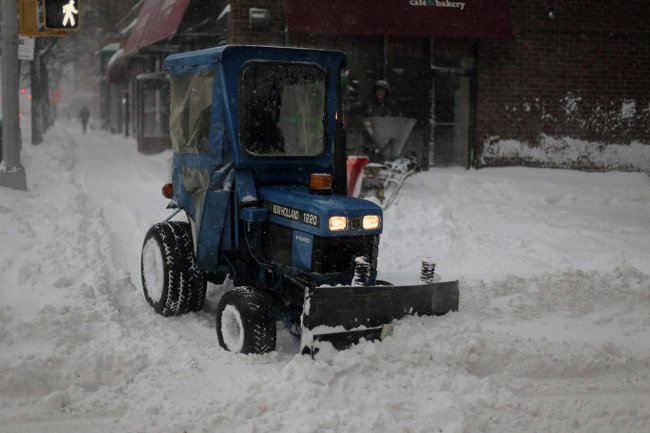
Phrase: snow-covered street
(552, 333)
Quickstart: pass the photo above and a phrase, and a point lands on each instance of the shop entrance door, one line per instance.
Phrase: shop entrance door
(153, 112)
(452, 115)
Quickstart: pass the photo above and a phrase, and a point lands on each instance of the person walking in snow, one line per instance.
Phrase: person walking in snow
(84, 114)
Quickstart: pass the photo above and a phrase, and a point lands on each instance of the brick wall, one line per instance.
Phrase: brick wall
(583, 72)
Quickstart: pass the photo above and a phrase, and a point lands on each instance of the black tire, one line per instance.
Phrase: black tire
(244, 313)
(171, 281)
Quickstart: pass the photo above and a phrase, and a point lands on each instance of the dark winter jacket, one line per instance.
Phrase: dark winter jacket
(84, 114)
(387, 108)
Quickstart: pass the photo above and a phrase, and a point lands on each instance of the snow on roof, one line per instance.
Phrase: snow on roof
(115, 57)
(224, 12)
(126, 30)
(113, 46)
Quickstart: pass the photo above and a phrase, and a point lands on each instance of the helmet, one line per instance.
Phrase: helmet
(382, 84)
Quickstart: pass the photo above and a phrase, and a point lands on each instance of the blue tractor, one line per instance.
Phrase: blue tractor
(259, 170)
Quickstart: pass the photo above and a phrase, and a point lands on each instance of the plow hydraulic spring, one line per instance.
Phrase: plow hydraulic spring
(427, 271)
(361, 272)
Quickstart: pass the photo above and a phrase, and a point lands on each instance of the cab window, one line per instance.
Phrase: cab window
(282, 109)
(191, 105)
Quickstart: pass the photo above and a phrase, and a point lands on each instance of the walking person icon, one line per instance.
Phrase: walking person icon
(68, 11)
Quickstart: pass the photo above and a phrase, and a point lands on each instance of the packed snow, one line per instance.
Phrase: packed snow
(567, 152)
(552, 333)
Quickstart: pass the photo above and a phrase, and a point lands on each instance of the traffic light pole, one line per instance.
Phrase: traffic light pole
(12, 173)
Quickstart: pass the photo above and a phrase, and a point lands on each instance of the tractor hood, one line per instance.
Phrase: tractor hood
(296, 207)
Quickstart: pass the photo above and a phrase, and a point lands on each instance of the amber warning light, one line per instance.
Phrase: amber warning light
(320, 183)
(168, 190)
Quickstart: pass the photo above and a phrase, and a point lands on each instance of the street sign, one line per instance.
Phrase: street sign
(61, 14)
(25, 48)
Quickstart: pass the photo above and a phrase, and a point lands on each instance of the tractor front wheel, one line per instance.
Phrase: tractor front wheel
(171, 282)
(245, 322)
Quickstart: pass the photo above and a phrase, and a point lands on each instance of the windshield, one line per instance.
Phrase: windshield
(282, 109)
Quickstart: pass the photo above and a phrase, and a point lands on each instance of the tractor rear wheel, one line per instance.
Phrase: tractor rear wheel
(171, 281)
(245, 322)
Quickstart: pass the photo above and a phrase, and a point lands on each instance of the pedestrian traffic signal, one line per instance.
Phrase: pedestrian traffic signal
(61, 14)
(48, 18)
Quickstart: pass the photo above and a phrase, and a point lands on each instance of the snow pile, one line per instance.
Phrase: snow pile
(371, 387)
(567, 152)
(554, 271)
(491, 223)
(59, 314)
(532, 366)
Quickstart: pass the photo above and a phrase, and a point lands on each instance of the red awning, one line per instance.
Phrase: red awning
(157, 20)
(473, 19)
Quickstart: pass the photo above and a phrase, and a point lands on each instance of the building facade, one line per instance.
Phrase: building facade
(472, 73)
(578, 69)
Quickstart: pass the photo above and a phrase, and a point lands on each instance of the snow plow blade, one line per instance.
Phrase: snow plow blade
(344, 315)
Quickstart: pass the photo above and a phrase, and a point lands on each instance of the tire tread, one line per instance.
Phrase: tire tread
(254, 308)
(185, 285)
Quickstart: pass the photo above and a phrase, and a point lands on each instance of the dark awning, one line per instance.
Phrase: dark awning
(157, 20)
(117, 67)
(473, 19)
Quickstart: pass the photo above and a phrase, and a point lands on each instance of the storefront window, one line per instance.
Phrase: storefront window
(190, 112)
(282, 109)
(154, 112)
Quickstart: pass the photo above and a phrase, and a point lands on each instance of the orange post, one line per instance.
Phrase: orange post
(355, 168)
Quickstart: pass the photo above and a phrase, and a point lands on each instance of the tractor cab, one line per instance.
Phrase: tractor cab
(257, 139)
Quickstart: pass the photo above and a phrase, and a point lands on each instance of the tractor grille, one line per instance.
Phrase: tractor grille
(336, 254)
(276, 243)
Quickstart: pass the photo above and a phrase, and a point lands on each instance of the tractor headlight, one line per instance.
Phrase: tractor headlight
(371, 222)
(338, 223)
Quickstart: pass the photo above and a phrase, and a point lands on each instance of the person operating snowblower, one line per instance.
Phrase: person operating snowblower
(385, 135)
(380, 104)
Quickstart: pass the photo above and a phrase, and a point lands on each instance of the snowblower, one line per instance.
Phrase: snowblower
(259, 170)
(386, 169)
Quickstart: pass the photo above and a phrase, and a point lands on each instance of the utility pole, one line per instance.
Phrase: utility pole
(12, 173)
